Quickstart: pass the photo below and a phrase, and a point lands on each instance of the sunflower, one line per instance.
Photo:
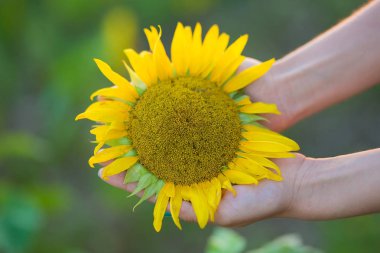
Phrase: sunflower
(182, 128)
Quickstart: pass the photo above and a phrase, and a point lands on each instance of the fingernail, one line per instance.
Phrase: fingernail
(100, 173)
(167, 214)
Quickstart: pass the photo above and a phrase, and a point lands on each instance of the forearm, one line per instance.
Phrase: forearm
(337, 187)
(332, 67)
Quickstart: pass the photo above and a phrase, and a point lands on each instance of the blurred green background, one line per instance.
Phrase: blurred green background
(51, 201)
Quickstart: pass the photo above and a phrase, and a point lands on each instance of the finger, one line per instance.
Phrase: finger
(187, 212)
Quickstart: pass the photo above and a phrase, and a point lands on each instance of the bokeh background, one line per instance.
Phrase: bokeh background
(51, 201)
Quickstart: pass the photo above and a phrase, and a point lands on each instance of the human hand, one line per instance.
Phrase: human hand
(251, 203)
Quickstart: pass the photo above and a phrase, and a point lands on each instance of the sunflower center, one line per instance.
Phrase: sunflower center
(185, 130)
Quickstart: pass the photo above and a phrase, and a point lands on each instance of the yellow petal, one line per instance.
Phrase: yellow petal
(210, 191)
(244, 101)
(106, 111)
(272, 137)
(177, 50)
(265, 146)
(260, 160)
(253, 131)
(117, 79)
(200, 206)
(106, 133)
(149, 64)
(248, 166)
(226, 184)
(215, 198)
(239, 177)
(196, 46)
(232, 68)
(248, 76)
(109, 154)
(213, 54)
(114, 92)
(170, 189)
(118, 166)
(175, 207)
(160, 208)
(161, 59)
(98, 147)
(232, 53)
(268, 154)
(103, 115)
(138, 64)
(254, 169)
(185, 191)
(113, 105)
(259, 107)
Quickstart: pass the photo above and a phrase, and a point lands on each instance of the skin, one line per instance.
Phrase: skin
(329, 69)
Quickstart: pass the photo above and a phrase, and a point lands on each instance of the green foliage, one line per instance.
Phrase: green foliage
(51, 201)
(22, 145)
(286, 244)
(225, 240)
(20, 219)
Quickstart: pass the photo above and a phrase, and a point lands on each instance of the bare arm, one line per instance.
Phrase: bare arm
(337, 187)
(342, 62)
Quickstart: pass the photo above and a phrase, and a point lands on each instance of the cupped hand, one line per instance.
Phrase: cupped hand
(251, 203)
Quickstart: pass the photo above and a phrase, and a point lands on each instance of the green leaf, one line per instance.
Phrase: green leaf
(25, 146)
(140, 91)
(150, 191)
(232, 94)
(249, 118)
(131, 152)
(290, 243)
(225, 240)
(135, 173)
(143, 183)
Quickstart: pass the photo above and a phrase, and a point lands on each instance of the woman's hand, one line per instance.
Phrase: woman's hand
(252, 202)
(312, 189)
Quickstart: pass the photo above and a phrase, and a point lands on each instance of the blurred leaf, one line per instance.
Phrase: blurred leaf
(20, 219)
(119, 31)
(286, 244)
(23, 145)
(186, 7)
(225, 240)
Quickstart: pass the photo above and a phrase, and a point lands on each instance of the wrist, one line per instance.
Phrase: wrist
(296, 179)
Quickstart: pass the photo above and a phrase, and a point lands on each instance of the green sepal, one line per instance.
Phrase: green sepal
(120, 141)
(258, 124)
(136, 81)
(135, 173)
(143, 183)
(249, 118)
(130, 103)
(140, 91)
(151, 190)
(232, 94)
(131, 152)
